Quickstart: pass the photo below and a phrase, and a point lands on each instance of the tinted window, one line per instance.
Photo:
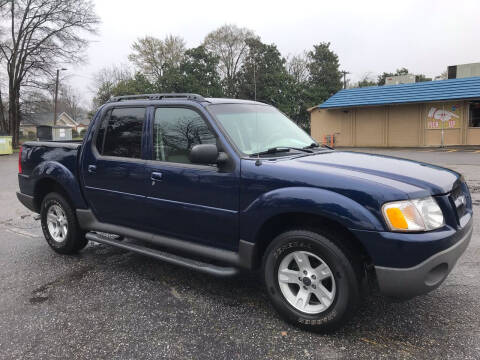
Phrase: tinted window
(176, 131)
(123, 133)
(101, 132)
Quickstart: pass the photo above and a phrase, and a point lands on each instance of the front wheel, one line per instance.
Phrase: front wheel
(59, 225)
(310, 280)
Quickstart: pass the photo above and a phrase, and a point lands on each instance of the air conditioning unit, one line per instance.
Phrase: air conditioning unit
(463, 71)
(400, 79)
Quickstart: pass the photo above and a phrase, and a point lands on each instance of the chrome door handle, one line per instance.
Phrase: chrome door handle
(92, 169)
(156, 176)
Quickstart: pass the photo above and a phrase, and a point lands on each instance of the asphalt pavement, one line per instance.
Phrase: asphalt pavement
(106, 303)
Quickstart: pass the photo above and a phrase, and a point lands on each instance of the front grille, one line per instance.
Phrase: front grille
(459, 199)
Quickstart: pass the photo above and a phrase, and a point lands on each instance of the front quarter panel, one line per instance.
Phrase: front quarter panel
(313, 201)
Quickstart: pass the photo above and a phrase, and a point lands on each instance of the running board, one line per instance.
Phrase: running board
(163, 256)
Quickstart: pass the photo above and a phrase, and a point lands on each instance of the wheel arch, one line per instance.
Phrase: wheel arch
(48, 185)
(283, 222)
(53, 176)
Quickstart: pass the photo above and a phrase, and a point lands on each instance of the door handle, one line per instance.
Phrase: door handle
(92, 169)
(156, 176)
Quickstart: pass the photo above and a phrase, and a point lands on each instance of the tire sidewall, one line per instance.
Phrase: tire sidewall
(68, 243)
(346, 294)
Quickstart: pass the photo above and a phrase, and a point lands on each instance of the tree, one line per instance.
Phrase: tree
(199, 70)
(42, 34)
(365, 81)
(383, 77)
(3, 119)
(325, 77)
(3, 107)
(106, 81)
(442, 76)
(152, 56)
(228, 43)
(297, 67)
(137, 85)
(36, 101)
(263, 75)
(422, 78)
(70, 102)
(298, 89)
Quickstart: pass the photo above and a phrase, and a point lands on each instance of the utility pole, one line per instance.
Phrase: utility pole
(56, 96)
(344, 78)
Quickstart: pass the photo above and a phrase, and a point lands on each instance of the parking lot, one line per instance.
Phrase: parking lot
(109, 303)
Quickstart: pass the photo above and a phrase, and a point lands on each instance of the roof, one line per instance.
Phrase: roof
(56, 126)
(453, 89)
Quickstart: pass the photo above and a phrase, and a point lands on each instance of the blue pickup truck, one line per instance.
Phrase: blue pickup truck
(223, 185)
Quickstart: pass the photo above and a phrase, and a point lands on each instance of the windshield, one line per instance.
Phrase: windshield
(258, 128)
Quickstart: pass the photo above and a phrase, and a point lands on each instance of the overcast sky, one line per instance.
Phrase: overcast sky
(368, 36)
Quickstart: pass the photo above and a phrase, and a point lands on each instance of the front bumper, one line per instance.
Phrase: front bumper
(406, 283)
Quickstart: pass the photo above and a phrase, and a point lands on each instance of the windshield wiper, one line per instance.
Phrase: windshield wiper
(278, 149)
(315, 145)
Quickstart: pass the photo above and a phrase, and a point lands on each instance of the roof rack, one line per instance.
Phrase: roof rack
(187, 96)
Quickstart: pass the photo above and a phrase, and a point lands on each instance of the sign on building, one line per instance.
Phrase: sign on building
(443, 116)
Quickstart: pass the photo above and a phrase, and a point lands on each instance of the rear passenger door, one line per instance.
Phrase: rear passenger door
(189, 201)
(113, 169)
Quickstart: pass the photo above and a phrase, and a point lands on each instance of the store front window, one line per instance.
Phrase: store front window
(474, 114)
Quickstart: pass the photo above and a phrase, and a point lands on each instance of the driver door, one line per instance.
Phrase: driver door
(189, 201)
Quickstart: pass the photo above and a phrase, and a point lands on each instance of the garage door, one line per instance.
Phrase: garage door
(369, 126)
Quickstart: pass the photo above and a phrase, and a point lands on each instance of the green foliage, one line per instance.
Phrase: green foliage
(200, 75)
(366, 83)
(139, 84)
(325, 76)
(151, 56)
(263, 75)
(232, 62)
(422, 78)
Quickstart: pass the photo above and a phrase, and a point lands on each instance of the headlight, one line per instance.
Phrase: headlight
(413, 215)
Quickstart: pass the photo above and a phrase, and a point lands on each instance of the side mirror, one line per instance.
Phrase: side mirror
(204, 154)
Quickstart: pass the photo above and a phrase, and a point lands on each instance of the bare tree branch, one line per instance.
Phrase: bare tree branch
(228, 43)
(43, 35)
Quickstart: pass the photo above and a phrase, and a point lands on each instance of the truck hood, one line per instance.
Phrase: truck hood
(435, 179)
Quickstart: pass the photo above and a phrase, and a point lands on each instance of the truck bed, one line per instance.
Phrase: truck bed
(36, 152)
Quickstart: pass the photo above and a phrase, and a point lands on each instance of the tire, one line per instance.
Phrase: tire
(328, 293)
(60, 226)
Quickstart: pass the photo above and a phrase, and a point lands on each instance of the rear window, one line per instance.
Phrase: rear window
(120, 133)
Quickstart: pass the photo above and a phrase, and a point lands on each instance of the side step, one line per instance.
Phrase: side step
(163, 256)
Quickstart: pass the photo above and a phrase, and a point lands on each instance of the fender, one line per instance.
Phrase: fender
(325, 203)
(62, 176)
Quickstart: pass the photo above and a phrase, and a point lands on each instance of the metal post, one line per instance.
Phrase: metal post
(55, 103)
(344, 78)
(443, 131)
